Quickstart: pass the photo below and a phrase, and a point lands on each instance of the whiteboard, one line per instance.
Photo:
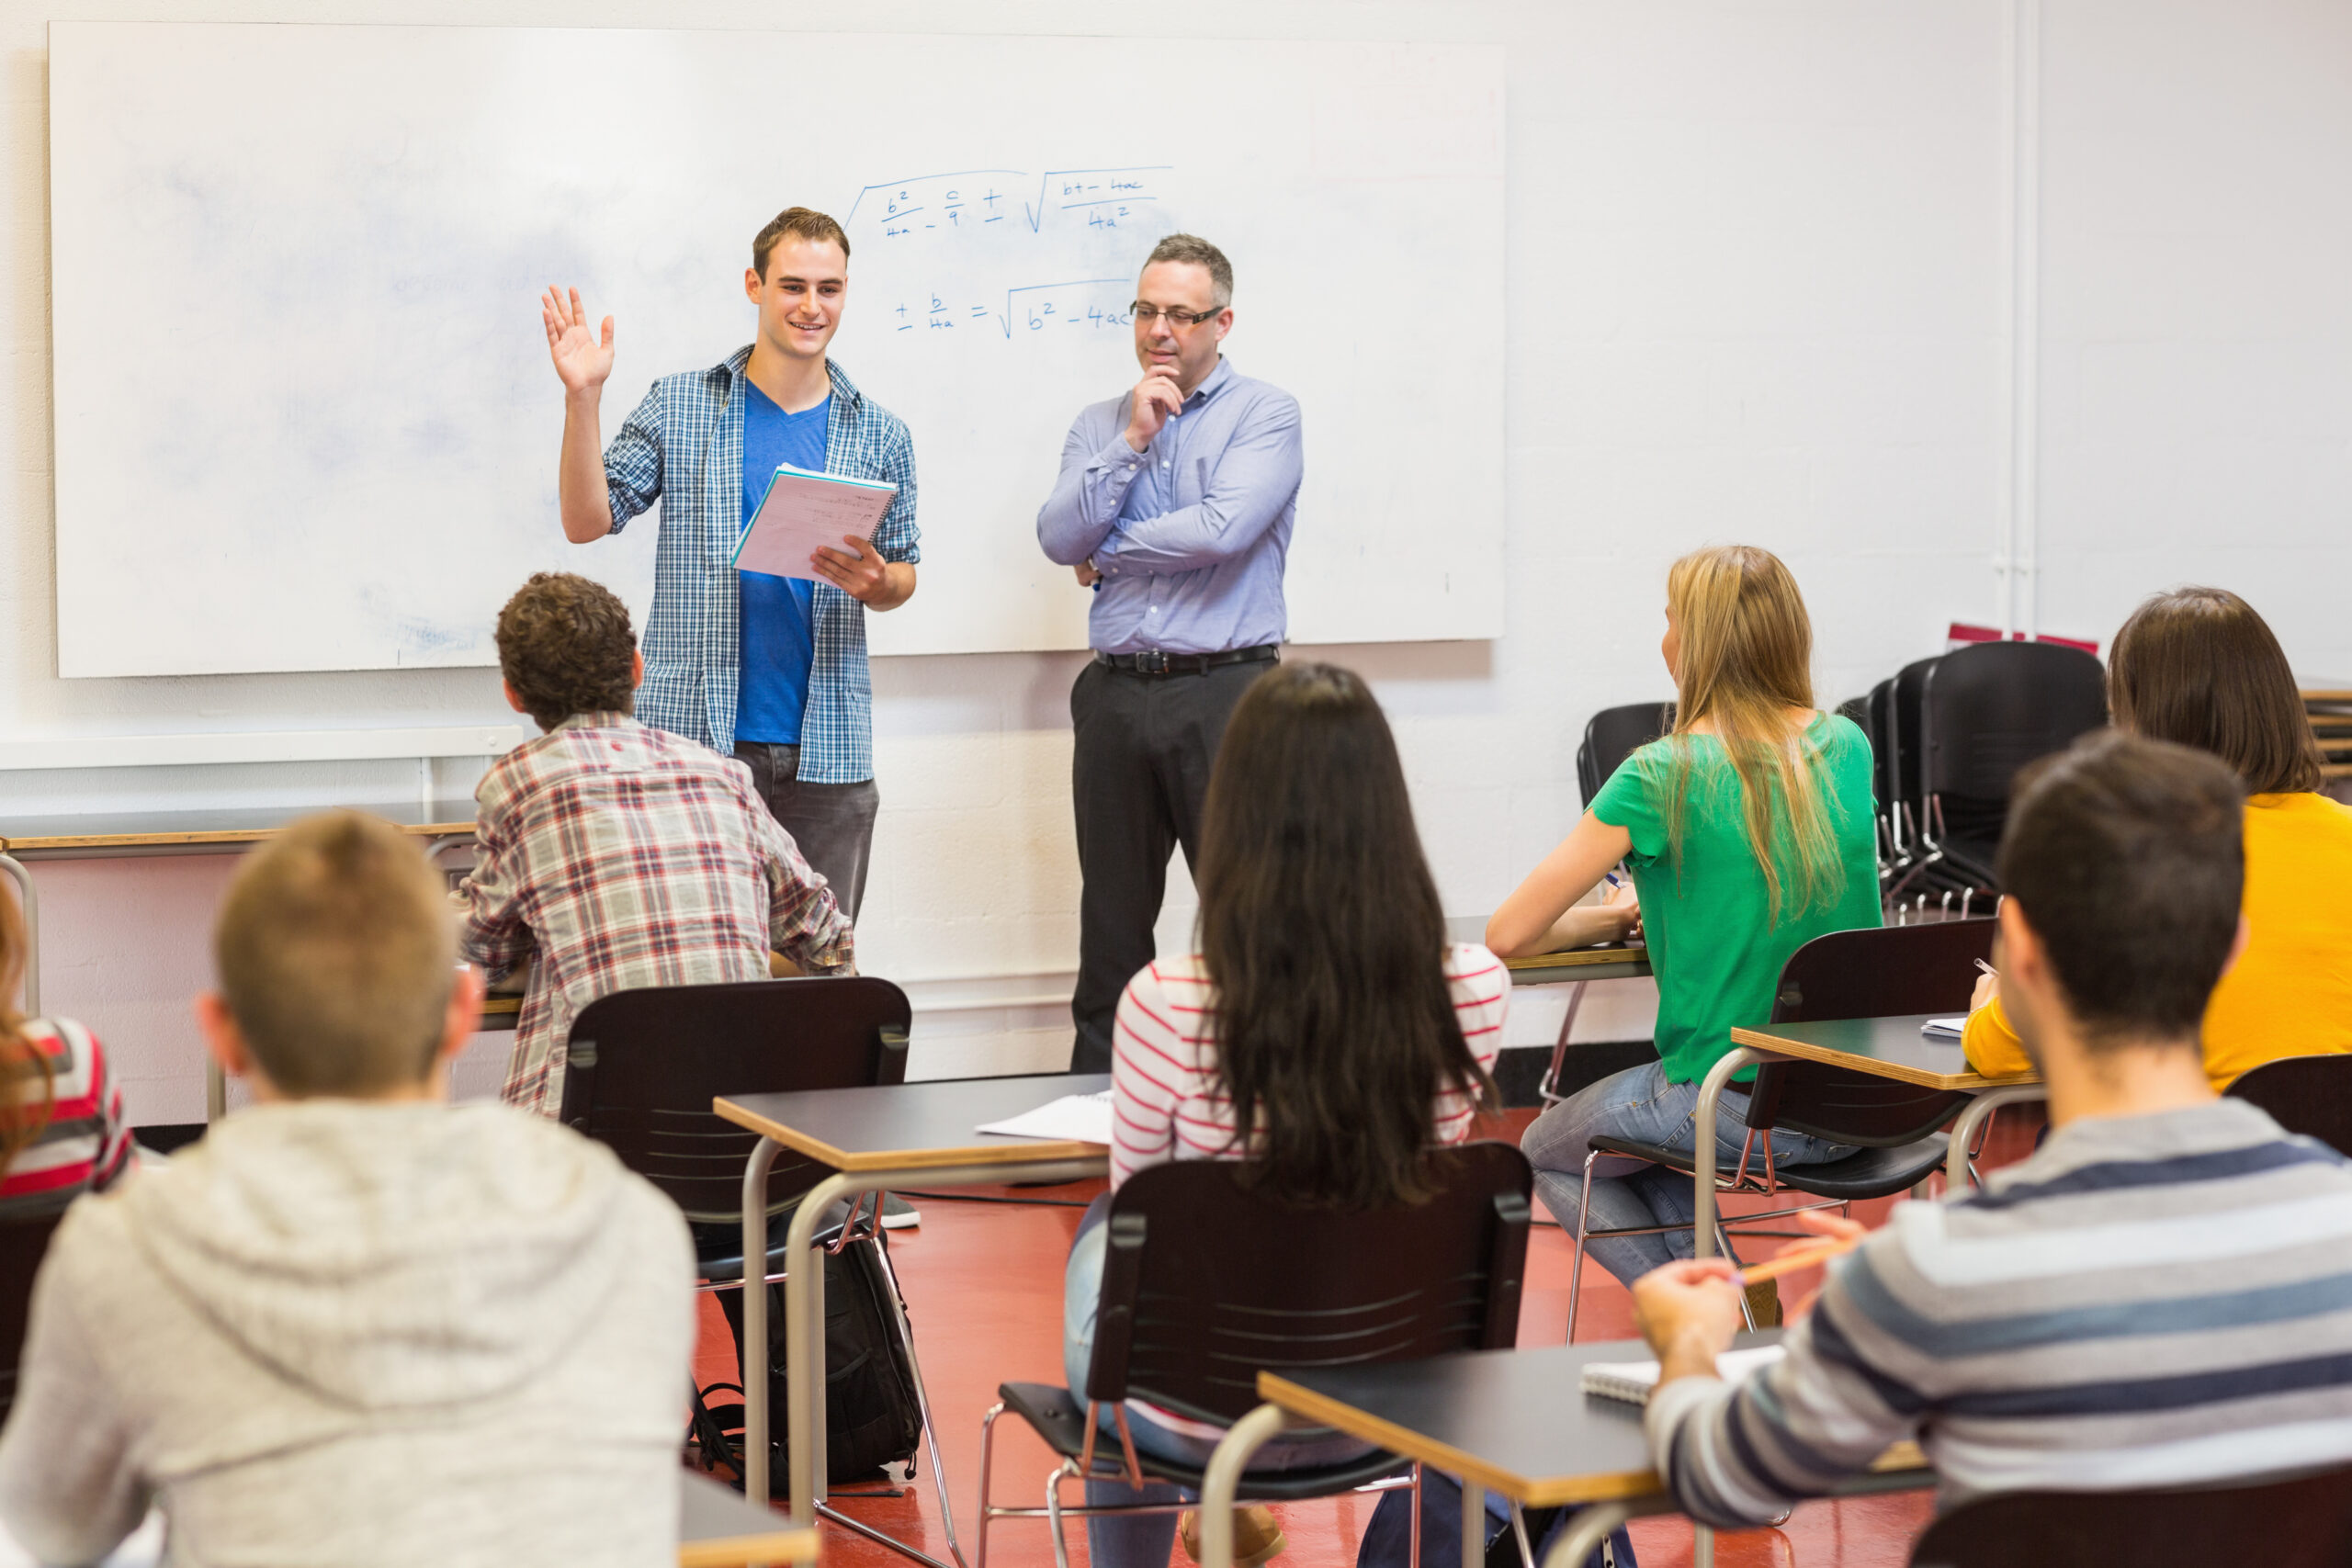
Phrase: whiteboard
(304, 414)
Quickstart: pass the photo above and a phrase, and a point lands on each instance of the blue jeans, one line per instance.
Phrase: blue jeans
(1641, 1104)
(1144, 1541)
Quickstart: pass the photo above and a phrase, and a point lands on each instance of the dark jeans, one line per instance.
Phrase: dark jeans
(1139, 772)
(833, 823)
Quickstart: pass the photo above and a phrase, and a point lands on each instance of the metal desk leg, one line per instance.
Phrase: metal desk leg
(755, 1319)
(1222, 1480)
(30, 898)
(1473, 1524)
(1702, 1157)
(1963, 1132)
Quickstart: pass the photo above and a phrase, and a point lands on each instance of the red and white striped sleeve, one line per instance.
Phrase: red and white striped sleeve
(1151, 1071)
(1481, 990)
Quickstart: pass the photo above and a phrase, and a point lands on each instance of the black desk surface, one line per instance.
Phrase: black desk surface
(1883, 1047)
(1517, 1422)
(895, 1126)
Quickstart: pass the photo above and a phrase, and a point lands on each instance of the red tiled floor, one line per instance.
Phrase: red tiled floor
(983, 1285)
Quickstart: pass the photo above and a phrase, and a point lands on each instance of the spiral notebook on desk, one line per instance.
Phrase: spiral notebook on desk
(1632, 1381)
(803, 510)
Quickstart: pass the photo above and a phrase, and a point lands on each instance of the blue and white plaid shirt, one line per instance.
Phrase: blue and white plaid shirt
(685, 447)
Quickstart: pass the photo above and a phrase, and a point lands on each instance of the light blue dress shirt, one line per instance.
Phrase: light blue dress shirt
(1191, 533)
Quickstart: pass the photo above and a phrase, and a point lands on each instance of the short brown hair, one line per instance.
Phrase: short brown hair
(337, 953)
(2128, 856)
(2199, 668)
(1191, 249)
(801, 223)
(564, 644)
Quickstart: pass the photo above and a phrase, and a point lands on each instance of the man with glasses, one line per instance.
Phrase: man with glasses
(1174, 504)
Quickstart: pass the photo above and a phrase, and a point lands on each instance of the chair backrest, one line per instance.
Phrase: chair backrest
(1208, 1280)
(1904, 718)
(1879, 973)
(1990, 708)
(1878, 723)
(22, 1244)
(1614, 734)
(2305, 1522)
(2310, 1095)
(646, 1063)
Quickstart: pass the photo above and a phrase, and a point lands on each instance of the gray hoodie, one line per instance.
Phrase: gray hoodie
(348, 1333)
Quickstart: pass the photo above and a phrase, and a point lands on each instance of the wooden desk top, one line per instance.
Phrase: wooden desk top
(183, 832)
(1883, 1047)
(718, 1529)
(1619, 962)
(1514, 1421)
(922, 1125)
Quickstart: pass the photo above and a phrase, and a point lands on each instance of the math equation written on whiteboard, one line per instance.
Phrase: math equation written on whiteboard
(1008, 255)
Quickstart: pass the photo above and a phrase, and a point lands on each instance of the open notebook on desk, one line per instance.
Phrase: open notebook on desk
(1079, 1118)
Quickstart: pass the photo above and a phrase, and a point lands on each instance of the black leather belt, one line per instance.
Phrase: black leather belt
(1154, 662)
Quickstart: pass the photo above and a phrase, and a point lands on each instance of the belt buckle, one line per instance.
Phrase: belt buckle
(1151, 661)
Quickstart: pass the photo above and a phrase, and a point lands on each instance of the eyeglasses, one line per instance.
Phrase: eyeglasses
(1181, 320)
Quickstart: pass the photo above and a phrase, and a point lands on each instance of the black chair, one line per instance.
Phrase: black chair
(1610, 736)
(1893, 1126)
(1207, 1281)
(23, 1243)
(2304, 1522)
(1985, 712)
(644, 1065)
(2310, 1095)
(1614, 734)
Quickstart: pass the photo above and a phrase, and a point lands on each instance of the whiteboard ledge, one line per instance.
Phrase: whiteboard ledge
(259, 746)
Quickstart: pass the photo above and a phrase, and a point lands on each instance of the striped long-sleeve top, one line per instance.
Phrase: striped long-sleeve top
(2148, 1301)
(1166, 1102)
(84, 1144)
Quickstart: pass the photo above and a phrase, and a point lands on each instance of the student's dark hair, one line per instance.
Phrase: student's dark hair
(801, 223)
(564, 645)
(2199, 668)
(2128, 857)
(1191, 249)
(1325, 945)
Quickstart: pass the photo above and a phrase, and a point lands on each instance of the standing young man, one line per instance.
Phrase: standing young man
(772, 669)
(1175, 505)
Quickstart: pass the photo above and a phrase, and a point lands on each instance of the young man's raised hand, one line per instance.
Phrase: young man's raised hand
(582, 358)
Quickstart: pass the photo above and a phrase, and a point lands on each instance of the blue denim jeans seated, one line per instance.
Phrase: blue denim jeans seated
(1642, 1105)
(1144, 1541)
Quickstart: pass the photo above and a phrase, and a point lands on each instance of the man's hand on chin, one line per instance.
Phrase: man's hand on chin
(1689, 1312)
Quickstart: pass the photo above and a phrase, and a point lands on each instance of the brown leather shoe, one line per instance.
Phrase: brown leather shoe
(1257, 1535)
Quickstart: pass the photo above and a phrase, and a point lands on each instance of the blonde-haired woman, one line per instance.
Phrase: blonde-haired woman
(1749, 833)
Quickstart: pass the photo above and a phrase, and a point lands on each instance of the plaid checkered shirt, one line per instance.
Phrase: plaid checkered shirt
(685, 447)
(615, 855)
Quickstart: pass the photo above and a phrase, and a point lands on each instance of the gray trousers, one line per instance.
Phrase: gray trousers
(1139, 771)
(833, 823)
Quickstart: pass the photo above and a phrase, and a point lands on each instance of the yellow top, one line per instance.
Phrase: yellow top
(2290, 994)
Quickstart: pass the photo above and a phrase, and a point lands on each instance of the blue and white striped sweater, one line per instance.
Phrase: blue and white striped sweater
(2147, 1301)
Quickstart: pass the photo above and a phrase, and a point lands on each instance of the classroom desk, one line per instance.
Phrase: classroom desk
(1512, 1421)
(890, 1136)
(718, 1529)
(1883, 1047)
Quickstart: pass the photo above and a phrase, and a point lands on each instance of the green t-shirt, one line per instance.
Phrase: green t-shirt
(1717, 959)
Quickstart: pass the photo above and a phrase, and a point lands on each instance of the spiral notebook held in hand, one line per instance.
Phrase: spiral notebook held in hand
(802, 511)
(1633, 1380)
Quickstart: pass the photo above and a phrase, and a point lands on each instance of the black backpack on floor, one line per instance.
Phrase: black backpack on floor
(871, 1417)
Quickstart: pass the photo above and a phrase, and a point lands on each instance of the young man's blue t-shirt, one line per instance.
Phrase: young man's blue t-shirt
(779, 628)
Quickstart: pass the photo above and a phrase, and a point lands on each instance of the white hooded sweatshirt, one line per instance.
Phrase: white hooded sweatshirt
(354, 1333)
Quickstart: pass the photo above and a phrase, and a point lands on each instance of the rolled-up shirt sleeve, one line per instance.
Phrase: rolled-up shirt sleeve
(1255, 477)
(633, 461)
(1085, 505)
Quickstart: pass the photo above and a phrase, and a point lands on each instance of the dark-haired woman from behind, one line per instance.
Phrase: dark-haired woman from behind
(1325, 1029)
(2199, 668)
